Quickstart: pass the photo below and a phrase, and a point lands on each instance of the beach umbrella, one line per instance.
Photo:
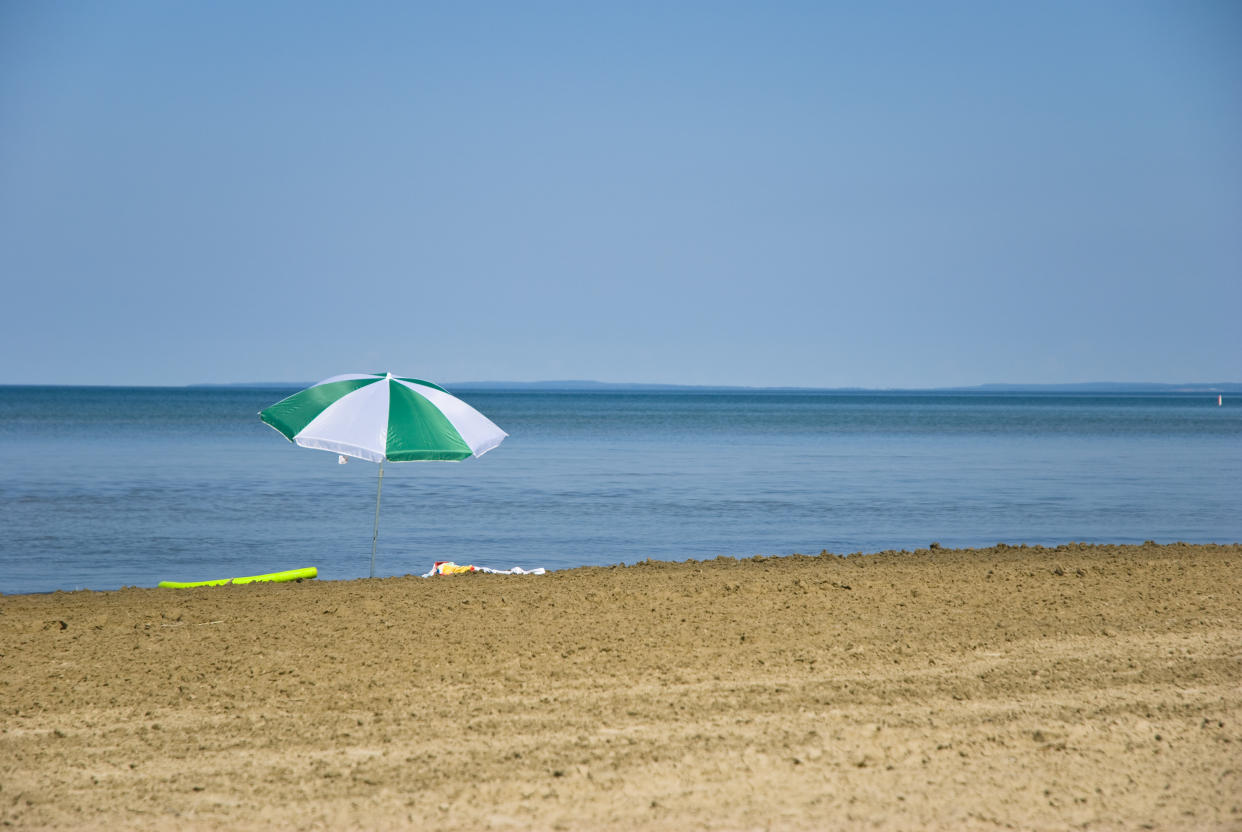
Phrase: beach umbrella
(382, 418)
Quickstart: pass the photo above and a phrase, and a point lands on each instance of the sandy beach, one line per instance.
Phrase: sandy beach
(1092, 687)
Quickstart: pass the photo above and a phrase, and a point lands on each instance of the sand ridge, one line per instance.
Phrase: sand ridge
(1095, 687)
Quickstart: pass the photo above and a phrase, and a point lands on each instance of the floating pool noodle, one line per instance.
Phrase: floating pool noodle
(288, 575)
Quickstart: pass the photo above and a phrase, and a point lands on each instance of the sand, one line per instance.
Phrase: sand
(1017, 688)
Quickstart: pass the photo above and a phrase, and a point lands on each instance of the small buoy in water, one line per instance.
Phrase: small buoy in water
(1220, 399)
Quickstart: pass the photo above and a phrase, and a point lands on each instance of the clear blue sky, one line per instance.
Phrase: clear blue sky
(764, 193)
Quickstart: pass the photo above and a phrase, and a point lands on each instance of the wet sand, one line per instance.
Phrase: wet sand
(1018, 688)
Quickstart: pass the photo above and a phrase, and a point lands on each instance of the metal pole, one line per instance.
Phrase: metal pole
(375, 534)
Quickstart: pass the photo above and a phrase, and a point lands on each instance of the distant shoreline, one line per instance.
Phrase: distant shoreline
(572, 386)
(1084, 388)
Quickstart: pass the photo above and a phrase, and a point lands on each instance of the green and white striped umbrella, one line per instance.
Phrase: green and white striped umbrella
(379, 417)
(382, 418)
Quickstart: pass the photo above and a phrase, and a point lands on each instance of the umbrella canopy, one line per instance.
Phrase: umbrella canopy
(382, 418)
(379, 417)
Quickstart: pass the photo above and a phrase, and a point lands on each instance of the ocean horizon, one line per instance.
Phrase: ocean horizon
(588, 385)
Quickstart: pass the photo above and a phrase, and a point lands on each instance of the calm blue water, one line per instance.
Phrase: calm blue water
(104, 487)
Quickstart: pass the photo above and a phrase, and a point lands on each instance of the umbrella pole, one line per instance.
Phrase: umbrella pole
(375, 534)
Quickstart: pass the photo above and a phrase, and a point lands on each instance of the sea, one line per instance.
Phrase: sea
(105, 487)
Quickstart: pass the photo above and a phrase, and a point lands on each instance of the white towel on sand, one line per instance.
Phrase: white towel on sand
(447, 567)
